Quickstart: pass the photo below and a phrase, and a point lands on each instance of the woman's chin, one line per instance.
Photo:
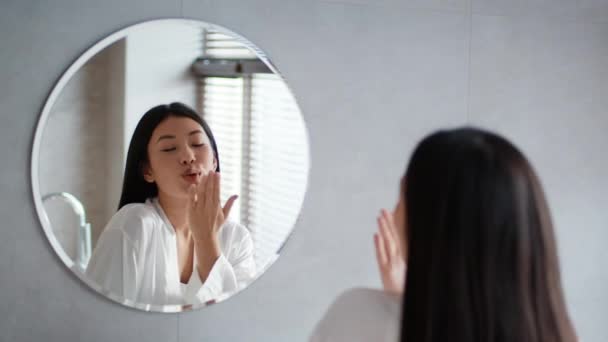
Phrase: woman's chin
(179, 194)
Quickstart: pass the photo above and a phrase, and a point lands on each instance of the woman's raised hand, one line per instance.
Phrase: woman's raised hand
(205, 215)
(388, 254)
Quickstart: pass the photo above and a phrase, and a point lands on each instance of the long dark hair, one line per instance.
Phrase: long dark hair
(135, 189)
(482, 258)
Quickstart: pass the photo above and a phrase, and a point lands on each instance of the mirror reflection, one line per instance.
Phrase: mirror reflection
(170, 165)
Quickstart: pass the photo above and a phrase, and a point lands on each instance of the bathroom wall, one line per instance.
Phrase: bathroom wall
(76, 154)
(158, 69)
(372, 77)
(90, 125)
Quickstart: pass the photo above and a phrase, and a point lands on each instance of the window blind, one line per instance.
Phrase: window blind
(262, 144)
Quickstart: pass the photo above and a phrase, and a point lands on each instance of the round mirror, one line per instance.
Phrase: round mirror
(140, 150)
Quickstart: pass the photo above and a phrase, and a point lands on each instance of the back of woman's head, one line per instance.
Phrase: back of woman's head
(135, 188)
(482, 259)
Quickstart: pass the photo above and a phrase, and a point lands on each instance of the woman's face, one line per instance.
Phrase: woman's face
(400, 217)
(179, 152)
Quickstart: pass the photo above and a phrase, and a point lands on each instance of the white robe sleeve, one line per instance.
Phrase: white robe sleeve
(243, 261)
(221, 279)
(113, 265)
(228, 275)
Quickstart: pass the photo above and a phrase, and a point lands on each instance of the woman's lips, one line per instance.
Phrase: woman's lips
(191, 177)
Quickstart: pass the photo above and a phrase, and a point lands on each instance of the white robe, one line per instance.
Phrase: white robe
(136, 260)
(361, 315)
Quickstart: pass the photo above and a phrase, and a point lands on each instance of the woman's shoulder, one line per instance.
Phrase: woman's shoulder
(134, 219)
(360, 314)
(381, 301)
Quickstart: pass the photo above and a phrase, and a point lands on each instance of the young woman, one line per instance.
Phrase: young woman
(170, 242)
(473, 225)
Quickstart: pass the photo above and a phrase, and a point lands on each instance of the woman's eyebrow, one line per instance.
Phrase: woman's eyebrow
(168, 136)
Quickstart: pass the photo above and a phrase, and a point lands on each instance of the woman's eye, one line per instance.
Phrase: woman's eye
(168, 149)
(198, 145)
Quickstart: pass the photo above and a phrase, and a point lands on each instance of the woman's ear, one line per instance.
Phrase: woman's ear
(214, 164)
(147, 172)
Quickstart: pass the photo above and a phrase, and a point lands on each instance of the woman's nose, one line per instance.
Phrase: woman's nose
(187, 157)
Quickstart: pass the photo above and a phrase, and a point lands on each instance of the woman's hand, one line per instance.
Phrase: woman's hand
(388, 254)
(205, 215)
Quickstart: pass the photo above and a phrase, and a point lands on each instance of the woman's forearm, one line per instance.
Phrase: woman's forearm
(207, 252)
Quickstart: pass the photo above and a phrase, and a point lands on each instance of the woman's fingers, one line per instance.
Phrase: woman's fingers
(208, 190)
(208, 199)
(389, 221)
(228, 205)
(386, 236)
(382, 240)
(192, 188)
(202, 189)
(216, 189)
(192, 196)
(390, 263)
(380, 254)
(392, 230)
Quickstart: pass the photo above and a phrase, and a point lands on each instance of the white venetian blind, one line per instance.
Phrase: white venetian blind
(278, 162)
(222, 108)
(262, 145)
(220, 45)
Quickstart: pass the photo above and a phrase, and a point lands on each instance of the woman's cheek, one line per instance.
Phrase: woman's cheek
(207, 159)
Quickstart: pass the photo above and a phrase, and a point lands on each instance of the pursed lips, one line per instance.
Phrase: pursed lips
(191, 175)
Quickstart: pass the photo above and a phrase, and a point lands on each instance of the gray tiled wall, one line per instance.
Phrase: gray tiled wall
(371, 78)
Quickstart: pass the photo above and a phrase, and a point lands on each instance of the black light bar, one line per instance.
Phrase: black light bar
(228, 67)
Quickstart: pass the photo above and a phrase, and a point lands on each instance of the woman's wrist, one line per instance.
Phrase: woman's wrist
(206, 242)
(203, 236)
(207, 253)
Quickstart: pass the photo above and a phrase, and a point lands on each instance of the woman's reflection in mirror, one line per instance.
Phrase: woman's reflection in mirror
(170, 241)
